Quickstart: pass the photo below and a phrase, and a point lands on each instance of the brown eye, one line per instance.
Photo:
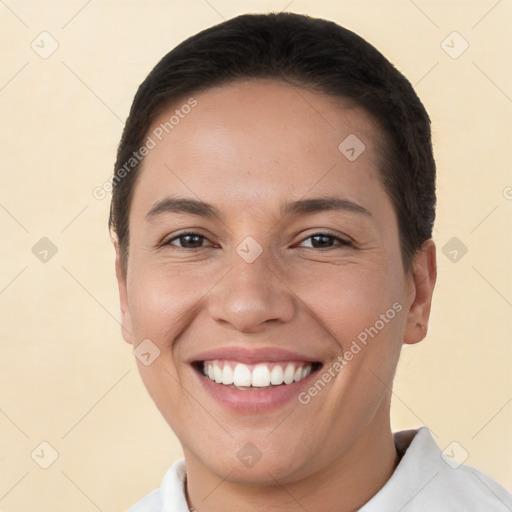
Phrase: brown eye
(323, 241)
(188, 241)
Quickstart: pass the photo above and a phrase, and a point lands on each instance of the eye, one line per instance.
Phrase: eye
(188, 241)
(323, 241)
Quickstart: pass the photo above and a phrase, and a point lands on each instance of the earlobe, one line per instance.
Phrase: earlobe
(126, 322)
(423, 282)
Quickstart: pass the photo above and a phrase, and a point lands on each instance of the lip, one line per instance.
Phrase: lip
(253, 400)
(252, 355)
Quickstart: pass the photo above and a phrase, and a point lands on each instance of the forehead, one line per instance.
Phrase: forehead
(257, 140)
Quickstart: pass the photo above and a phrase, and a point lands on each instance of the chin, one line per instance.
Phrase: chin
(246, 464)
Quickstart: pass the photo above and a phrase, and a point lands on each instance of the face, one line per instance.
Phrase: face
(265, 270)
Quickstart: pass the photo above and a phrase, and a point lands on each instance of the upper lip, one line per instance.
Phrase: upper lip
(251, 355)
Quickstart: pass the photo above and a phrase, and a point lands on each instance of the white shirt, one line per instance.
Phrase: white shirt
(424, 481)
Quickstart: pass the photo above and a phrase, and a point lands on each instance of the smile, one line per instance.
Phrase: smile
(262, 375)
(253, 380)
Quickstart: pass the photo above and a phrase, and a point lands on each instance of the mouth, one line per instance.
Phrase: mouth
(256, 376)
(253, 380)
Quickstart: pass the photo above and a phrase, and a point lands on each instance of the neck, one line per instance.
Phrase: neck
(345, 485)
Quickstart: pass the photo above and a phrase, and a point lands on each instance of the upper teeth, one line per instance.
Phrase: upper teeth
(259, 375)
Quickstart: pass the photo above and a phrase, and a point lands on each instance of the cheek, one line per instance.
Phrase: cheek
(162, 301)
(349, 299)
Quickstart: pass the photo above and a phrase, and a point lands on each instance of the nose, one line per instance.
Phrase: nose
(251, 296)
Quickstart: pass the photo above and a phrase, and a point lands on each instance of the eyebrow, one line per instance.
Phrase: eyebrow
(321, 204)
(294, 208)
(183, 205)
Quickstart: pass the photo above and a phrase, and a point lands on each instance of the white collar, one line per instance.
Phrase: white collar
(422, 481)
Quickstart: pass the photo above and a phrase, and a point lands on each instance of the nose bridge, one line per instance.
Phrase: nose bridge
(251, 293)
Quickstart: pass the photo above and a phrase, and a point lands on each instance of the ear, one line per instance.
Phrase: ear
(421, 289)
(126, 320)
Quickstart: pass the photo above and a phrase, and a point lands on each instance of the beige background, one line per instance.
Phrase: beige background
(67, 377)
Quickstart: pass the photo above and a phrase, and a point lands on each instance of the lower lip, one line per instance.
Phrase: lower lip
(254, 400)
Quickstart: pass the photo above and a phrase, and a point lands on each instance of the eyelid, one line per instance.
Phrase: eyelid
(175, 236)
(343, 241)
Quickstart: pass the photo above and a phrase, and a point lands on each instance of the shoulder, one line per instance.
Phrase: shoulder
(169, 496)
(472, 487)
(426, 480)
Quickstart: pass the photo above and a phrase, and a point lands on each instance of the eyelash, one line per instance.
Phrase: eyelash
(340, 241)
(183, 235)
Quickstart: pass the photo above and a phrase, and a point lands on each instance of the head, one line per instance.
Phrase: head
(273, 203)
